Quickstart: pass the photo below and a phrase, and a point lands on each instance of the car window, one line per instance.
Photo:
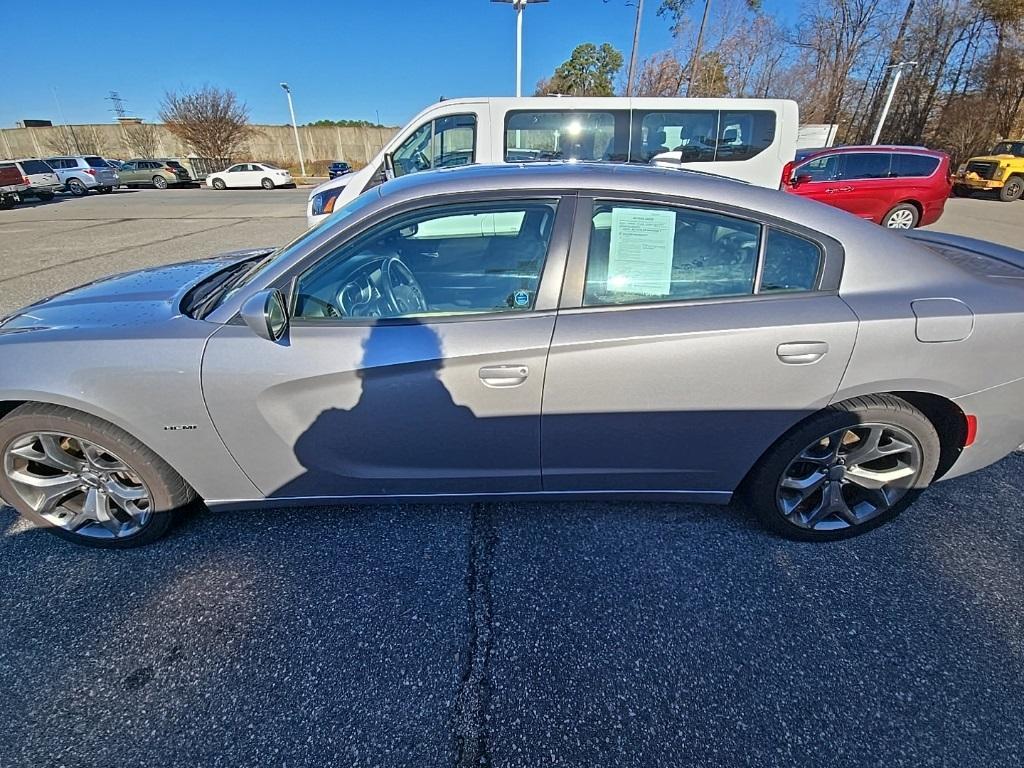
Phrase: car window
(823, 168)
(447, 260)
(913, 165)
(562, 135)
(235, 168)
(702, 135)
(648, 253)
(443, 143)
(791, 263)
(865, 165)
(35, 166)
(1015, 148)
(128, 167)
(97, 162)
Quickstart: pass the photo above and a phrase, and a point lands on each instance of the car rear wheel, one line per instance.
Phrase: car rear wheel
(160, 182)
(846, 470)
(86, 480)
(219, 184)
(903, 216)
(76, 188)
(104, 190)
(267, 183)
(1012, 190)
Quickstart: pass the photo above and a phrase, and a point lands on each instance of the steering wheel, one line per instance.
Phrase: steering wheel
(400, 289)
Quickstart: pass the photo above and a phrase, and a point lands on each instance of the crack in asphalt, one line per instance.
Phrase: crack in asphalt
(471, 713)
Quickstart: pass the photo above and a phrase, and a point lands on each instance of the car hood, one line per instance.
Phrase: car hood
(134, 298)
(993, 158)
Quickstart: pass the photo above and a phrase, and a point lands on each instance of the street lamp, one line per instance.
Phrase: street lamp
(520, 6)
(892, 92)
(298, 144)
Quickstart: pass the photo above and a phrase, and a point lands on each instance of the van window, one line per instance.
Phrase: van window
(443, 143)
(913, 165)
(866, 165)
(565, 135)
(702, 135)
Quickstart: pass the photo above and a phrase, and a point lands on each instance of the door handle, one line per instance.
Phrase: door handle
(833, 190)
(802, 352)
(504, 375)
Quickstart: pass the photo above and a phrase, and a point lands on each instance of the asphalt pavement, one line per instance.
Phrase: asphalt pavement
(496, 635)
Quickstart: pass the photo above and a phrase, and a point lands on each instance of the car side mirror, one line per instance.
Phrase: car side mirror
(266, 314)
(389, 166)
(803, 178)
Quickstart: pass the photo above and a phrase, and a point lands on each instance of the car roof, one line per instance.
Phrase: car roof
(897, 148)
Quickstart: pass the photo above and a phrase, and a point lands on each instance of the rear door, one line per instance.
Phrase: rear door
(867, 188)
(688, 341)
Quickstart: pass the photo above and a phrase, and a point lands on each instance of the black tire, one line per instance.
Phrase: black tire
(900, 216)
(76, 188)
(219, 184)
(160, 182)
(104, 190)
(170, 493)
(960, 190)
(7, 202)
(760, 492)
(45, 196)
(267, 183)
(1012, 190)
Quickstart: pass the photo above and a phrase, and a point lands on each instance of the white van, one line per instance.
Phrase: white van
(746, 139)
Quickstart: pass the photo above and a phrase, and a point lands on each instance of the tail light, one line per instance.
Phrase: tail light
(24, 180)
(90, 171)
(972, 430)
(787, 173)
(170, 170)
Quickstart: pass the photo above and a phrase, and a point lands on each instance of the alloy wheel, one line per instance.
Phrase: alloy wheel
(78, 485)
(849, 476)
(901, 219)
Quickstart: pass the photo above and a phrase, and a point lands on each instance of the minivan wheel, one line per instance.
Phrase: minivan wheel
(160, 182)
(76, 188)
(1012, 190)
(903, 216)
(85, 480)
(219, 184)
(846, 470)
(267, 183)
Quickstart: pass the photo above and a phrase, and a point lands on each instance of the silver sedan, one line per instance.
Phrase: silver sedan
(551, 331)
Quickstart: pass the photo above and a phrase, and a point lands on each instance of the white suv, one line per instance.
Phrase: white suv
(82, 173)
(43, 182)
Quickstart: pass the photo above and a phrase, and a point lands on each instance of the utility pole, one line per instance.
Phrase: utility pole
(298, 144)
(636, 44)
(695, 62)
(894, 56)
(519, 6)
(892, 92)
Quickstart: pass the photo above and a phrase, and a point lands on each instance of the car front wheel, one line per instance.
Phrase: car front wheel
(1012, 190)
(846, 470)
(86, 480)
(219, 184)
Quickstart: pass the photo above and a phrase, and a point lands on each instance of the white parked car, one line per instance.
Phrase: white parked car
(251, 175)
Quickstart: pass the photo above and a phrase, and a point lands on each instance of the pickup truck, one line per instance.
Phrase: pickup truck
(12, 185)
(1002, 171)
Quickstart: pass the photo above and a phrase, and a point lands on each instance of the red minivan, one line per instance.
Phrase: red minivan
(897, 187)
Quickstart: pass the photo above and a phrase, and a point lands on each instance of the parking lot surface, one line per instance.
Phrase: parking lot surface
(507, 634)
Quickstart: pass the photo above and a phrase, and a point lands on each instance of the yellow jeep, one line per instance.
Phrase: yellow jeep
(1003, 170)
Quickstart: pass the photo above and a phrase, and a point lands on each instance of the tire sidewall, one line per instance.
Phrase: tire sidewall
(77, 188)
(1014, 183)
(160, 182)
(902, 207)
(166, 499)
(267, 183)
(219, 184)
(761, 491)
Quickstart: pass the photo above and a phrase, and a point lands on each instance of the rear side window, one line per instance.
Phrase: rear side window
(702, 135)
(565, 135)
(646, 253)
(866, 165)
(35, 166)
(791, 263)
(97, 162)
(913, 165)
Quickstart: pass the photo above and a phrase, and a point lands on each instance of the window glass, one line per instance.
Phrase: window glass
(825, 168)
(96, 162)
(35, 166)
(645, 253)
(1015, 148)
(865, 165)
(447, 260)
(701, 135)
(791, 263)
(444, 143)
(551, 135)
(236, 168)
(913, 165)
(128, 167)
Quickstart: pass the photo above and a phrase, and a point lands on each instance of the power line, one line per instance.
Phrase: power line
(119, 108)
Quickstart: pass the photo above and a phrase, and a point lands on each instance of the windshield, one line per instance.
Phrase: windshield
(1015, 148)
(284, 252)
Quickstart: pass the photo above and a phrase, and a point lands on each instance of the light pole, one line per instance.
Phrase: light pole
(636, 44)
(892, 92)
(298, 144)
(520, 6)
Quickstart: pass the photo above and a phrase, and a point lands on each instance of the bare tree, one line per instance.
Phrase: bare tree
(210, 121)
(141, 140)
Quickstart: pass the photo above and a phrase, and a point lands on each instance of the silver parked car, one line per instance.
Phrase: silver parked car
(80, 174)
(555, 331)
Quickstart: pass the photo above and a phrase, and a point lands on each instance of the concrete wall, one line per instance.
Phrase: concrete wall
(274, 143)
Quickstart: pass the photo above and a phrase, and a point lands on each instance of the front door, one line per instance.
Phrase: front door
(414, 363)
(865, 177)
(687, 353)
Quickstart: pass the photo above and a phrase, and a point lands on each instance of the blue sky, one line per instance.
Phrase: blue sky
(343, 58)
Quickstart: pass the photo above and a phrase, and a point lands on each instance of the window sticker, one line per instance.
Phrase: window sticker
(640, 255)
